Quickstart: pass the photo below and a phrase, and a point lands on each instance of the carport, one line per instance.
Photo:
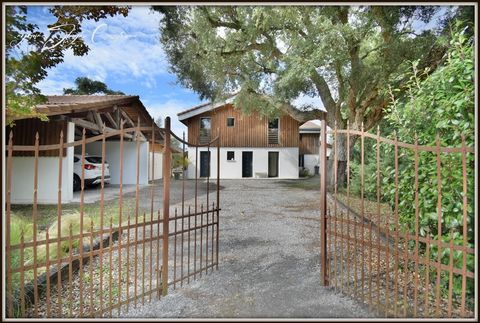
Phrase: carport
(71, 114)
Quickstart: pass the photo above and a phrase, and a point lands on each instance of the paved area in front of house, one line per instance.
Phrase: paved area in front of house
(110, 192)
(269, 260)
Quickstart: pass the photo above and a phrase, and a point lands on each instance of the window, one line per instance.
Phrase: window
(231, 155)
(205, 123)
(273, 132)
(230, 122)
(205, 127)
(301, 161)
(273, 124)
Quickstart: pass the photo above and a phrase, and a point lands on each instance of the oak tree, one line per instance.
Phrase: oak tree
(345, 55)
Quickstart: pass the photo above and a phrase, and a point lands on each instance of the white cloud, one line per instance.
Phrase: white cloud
(54, 86)
(55, 83)
(120, 48)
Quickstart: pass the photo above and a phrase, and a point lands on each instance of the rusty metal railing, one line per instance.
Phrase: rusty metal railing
(368, 250)
(115, 255)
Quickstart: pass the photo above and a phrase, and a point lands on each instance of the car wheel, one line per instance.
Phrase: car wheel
(76, 183)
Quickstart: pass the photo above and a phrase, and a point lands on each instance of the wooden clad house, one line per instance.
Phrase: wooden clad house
(71, 114)
(251, 146)
(309, 145)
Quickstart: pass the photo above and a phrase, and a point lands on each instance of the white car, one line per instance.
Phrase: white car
(93, 171)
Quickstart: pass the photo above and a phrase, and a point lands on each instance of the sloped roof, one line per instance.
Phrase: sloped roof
(204, 107)
(310, 127)
(64, 104)
(78, 105)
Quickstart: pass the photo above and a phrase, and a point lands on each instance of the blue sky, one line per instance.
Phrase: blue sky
(125, 53)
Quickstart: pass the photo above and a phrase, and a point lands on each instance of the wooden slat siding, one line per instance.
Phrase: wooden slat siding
(309, 143)
(249, 130)
(48, 131)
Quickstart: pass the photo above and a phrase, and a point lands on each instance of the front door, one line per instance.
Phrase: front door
(204, 164)
(273, 164)
(247, 163)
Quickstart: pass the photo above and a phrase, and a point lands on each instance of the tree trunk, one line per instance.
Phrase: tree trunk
(342, 151)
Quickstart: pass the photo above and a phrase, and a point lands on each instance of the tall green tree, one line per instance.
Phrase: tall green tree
(344, 55)
(89, 86)
(30, 52)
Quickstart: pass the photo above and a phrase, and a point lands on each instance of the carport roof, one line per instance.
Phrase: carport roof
(90, 111)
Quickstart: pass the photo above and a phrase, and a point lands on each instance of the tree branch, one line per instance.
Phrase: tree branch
(219, 23)
(302, 116)
(299, 115)
(323, 91)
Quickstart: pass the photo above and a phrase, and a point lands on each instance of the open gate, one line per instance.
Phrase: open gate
(375, 251)
(103, 259)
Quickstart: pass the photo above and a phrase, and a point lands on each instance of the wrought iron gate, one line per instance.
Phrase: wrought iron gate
(110, 257)
(381, 257)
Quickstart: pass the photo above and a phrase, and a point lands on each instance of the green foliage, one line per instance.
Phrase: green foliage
(88, 86)
(177, 161)
(437, 109)
(30, 53)
(345, 55)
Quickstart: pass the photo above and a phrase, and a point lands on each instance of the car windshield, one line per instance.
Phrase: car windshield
(94, 160)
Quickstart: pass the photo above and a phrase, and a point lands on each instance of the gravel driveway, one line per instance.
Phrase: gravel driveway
(269, 260)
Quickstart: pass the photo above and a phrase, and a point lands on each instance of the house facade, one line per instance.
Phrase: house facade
(250, 146)
(309, 146)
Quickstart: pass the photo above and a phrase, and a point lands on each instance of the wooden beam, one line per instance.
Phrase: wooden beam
(98, 119)
(110, 119)
(117, 111)
(125, 115)
(92, 126)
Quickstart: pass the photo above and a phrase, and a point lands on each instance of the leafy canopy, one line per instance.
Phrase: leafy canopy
(345, 55)
(30, 52)
(88, 86)
(439, 103)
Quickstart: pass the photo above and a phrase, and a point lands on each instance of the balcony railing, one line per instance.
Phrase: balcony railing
(273, 136)
(205, 136)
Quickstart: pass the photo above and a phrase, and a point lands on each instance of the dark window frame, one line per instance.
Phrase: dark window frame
(233, 157)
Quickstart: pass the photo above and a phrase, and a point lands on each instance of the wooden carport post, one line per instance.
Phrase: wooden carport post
(323, 202)
(167, 154)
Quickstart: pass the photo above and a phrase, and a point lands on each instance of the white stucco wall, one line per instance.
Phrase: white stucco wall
(157, 159)
(287, 163)
(23, 177)
(112, 155)
(310, 161)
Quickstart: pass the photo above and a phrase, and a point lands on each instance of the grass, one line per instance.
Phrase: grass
(21, 224)
(311, 183)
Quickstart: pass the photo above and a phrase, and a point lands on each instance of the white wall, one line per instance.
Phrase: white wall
(288, 162)
(112, 154)
(23, 177)
(157, 159)
(310, 161)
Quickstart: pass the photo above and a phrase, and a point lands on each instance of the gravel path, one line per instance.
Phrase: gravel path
(269, 261)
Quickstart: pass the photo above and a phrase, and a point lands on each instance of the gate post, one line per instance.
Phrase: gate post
(323, 202)
(167, 156)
